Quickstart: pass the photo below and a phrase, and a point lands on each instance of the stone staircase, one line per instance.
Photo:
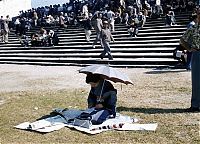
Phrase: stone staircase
(152, 48)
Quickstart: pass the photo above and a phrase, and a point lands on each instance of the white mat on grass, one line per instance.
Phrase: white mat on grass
(120, 122)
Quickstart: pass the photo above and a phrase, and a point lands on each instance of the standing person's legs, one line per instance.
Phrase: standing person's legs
(87, 35)
(35, 22)
(106, 47)
(5, 37)
(136, 30)
(103, 53)
(195, 101)
(112, 23)
(97, 39)
(188, 63)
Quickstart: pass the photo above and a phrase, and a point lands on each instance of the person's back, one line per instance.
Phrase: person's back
(110, 15)
(87, 24)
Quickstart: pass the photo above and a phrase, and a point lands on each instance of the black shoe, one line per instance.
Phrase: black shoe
(192, 109)
(101, 57)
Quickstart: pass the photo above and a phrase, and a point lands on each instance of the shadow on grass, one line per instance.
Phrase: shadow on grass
(150, 110)
(160, 71)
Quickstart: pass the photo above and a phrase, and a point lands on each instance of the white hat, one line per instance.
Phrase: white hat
(105, 22)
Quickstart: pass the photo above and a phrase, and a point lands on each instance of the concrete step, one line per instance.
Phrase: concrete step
(85, 55)
(116, 61)
(112, 45)
(76, 64)
(80, 50)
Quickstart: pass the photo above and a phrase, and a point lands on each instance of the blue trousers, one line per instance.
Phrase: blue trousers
(195, 101)
(106, 49)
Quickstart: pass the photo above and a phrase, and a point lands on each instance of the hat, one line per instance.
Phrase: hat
(140, 13)
(90, 15)
(105, 22)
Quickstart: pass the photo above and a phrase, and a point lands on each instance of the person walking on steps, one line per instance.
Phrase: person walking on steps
(97, 26)
(106, 37)
(88, 27)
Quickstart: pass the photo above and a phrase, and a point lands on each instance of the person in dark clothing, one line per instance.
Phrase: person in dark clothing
(53, 39)
(35, 40)
(102, 97)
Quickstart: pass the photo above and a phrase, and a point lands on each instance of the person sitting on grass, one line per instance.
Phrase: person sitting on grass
(102, 97)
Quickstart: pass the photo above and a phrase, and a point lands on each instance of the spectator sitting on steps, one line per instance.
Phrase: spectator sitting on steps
(170, 19)
(52, 38)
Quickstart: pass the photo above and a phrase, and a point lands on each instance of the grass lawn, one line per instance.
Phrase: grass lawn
(157, 96)
(174, 126)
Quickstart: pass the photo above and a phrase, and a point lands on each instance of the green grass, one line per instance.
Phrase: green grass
(174, 126)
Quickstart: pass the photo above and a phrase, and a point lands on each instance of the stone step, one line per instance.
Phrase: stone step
(80, 50)
(112, 45)
(76, 64)
(118, 40)
(125, 34)
(116, 61)
(85, 55)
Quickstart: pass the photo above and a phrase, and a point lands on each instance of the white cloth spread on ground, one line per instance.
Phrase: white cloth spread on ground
(65, 118)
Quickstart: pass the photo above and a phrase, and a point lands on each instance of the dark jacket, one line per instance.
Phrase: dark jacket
(108, 96)
(88, 24)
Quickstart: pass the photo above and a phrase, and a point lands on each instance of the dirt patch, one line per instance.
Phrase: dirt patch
(158, 87)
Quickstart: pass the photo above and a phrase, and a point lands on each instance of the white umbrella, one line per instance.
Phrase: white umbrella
(107, 72)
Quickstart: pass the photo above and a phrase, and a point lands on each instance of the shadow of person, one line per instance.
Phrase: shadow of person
(150, 110)
(166, 71)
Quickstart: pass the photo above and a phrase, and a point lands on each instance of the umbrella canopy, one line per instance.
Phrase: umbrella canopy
(107, 73)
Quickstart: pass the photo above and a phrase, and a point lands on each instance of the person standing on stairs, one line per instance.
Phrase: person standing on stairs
(6, 29)
(106, 37)
(62, 21)
(111, 19)
(88, 27)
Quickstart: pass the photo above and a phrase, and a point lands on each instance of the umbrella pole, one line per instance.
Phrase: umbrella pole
(102, 89)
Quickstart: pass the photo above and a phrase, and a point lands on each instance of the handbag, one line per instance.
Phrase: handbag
(83, 120)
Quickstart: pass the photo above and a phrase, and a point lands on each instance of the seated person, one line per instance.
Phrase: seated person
(35, 40)
(141, 19)
(102, 98)
(52, 38)
(133, 29)
(170, 19)
(24, 41)
(43, 36)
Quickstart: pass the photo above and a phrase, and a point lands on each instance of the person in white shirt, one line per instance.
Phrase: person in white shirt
(85, 11)
(111, 19)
